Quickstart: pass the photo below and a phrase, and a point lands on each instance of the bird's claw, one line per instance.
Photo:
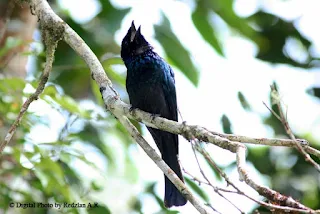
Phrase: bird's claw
(131, 109)
(154, 116)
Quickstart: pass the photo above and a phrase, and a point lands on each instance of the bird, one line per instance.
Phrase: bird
(150, 85)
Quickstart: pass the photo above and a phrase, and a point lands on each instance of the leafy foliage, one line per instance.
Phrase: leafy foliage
(274, 34)
(200, 18)
(175, 50)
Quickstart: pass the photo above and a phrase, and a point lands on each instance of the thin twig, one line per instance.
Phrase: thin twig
(240, 192)
(65, 129)
(287, 203)
(284, 121)
(214, 209)
(194, 178)
(262, 203)
(51, 47)
(270, 142)
(271, 110)
(194, 146)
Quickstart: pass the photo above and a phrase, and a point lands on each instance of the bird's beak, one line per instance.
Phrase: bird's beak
(132, 32)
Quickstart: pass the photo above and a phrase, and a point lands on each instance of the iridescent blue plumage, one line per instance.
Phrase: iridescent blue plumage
(150, 85)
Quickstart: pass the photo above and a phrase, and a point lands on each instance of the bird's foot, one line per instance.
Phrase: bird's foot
(131, 109)
(154, 116)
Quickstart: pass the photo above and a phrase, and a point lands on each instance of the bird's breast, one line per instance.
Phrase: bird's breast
(145, 88)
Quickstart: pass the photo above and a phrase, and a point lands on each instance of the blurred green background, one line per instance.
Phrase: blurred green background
(225, 54)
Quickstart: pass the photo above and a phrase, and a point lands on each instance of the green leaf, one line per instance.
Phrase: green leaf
(260, 158)
(95, 186)
(42, 177)
(112, 16)
(5, 193)
(112, 73)
(11, 43)
(215, 172)
(175, 50)
(224, 8)
(244, 103)
(274, 36)
(71, 176)
(122, 133)
(314, 91)
(64, 101)
(131, 171)
(11, 85)
(197, 189)
(51, 169)
(16, 154)
(200, 18)
(100, 209)
(226, 124)
(80, 156)
(90, 135)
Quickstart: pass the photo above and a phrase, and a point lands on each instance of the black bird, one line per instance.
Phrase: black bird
(151, 87)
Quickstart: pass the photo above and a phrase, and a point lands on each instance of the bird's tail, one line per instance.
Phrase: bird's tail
(168, 146)
(172, 196)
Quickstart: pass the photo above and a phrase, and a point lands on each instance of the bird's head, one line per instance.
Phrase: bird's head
(133, 43)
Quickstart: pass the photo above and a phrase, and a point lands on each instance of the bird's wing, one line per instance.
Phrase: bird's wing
(169, 91)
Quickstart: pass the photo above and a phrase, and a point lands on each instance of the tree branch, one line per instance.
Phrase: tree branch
(50, 20)
(271, 207)
(284, 121)
(161, 164)
(51, 43)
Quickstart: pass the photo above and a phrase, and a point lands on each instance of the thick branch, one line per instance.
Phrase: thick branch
(219, 139)
(161, 164)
